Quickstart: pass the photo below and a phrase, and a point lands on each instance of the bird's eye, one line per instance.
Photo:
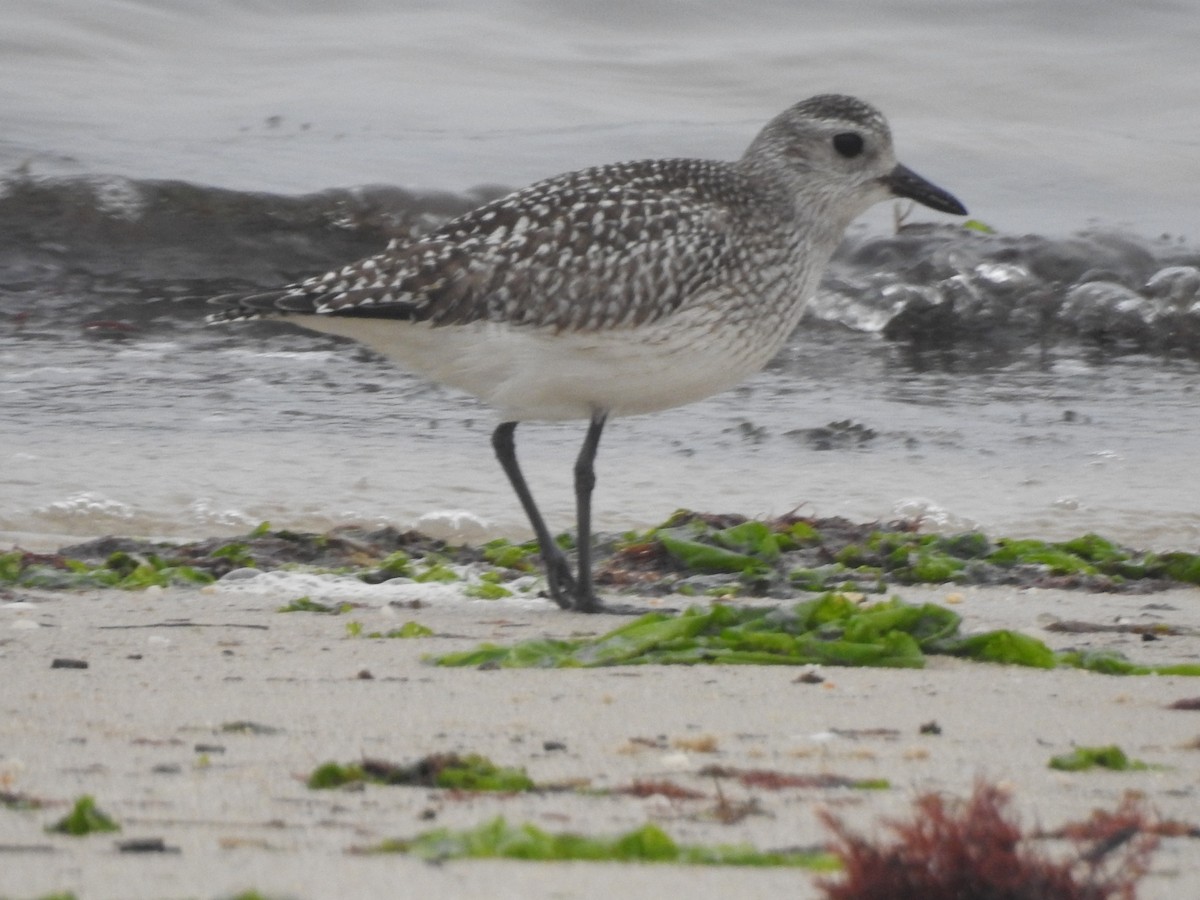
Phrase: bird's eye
(849, 144)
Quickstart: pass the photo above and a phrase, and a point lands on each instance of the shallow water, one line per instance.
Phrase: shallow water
(1030, 385)
(1044, 117)
(212, 438)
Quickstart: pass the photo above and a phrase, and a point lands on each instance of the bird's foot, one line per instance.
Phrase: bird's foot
(559, 581)
(568, 592)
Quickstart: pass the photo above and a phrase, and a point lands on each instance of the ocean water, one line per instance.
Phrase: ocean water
(1040, 380)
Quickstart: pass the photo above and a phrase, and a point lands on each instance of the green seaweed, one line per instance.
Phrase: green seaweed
(704, 557)
(237, 552)
(333, 775)
(1109, 662)
(908, 557)
(485, 589)
(967, 545)
(12, 564)
(1179, 566)
(84, 818)
(307, 604)
(407, 630)
(436, 569)
(1091, 554)
(691, 554)
(119, 570)
(450, 771)
(396, 565)
(829, 630)
(976, 225)
(872, 784)
(153, 571)
(1056, 558)
(837, 577)
(802, 534)
(507, 555)
(905, 556)
(648, 844)
(1095, 549)
(749, 549)
(928, 566)
(478, 773)
(756, 539)
(1005, 646)
(1111, 757)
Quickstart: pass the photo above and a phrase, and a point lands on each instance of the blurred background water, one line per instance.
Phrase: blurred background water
(1041, 380)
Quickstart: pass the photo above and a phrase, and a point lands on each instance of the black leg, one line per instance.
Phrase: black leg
(585, 481)
(563, 589)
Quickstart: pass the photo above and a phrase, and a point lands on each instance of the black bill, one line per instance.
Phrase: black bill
(904, 182)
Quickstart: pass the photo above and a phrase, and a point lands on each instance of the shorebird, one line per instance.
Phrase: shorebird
(615, 290)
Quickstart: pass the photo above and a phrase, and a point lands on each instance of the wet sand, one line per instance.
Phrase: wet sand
(142, 728)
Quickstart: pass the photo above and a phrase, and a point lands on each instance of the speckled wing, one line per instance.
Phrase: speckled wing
(614, 246)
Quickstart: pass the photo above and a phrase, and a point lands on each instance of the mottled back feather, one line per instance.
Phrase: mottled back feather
(612, 246)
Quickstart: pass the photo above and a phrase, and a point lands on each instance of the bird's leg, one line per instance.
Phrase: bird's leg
(585, 481)
(563, 589)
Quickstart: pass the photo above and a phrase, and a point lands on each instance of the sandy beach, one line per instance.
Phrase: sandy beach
(156, 729)
(1033, 375)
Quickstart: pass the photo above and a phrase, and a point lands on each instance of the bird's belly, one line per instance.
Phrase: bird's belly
(540, 374)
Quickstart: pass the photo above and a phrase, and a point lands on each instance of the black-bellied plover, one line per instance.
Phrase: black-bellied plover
(615, 290)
